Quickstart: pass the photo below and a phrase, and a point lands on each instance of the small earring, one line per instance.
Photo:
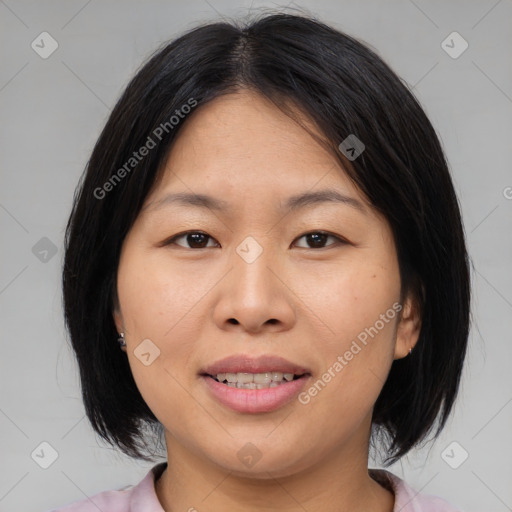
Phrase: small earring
(121, 341)
(410, 350)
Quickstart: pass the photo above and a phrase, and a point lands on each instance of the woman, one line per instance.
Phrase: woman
(268, 228)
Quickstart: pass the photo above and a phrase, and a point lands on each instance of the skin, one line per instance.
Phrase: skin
(298, 301)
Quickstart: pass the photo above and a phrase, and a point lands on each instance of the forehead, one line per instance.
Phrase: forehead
(242, 143)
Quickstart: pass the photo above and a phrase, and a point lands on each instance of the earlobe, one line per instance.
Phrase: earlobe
(408, 329)
(120, 329)
(118, 320)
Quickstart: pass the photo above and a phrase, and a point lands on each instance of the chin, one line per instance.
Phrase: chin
(261, 464)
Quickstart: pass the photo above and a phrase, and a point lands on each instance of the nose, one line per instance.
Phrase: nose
(254, 297)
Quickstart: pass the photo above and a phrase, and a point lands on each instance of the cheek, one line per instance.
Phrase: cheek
(157, 304)
(160, 300)
(361, 311)
(354, 301)
(155, 294)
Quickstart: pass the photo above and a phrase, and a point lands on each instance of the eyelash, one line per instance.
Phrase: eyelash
(172, 240)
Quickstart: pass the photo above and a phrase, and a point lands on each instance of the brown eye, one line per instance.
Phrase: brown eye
(194, 239)
(317, 239)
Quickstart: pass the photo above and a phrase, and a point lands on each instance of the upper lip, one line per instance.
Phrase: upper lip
(247, 364)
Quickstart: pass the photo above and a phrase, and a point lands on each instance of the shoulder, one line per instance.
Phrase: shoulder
(113, 501)
(407, 499)
(142, 495)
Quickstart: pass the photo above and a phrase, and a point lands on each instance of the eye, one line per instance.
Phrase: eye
(195, 239)
(200, 239)
(317, 239)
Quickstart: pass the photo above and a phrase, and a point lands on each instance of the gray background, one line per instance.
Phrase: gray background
(52, 111)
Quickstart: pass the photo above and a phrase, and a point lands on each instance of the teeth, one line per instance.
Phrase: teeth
(252, 385)
(255, 380)
(245, 378)
(263, 378)
(277, 376)
(246, 385)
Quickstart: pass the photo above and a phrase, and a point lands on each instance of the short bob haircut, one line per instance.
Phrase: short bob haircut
(307, 68)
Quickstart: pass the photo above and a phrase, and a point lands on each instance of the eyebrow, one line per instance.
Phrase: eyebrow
(293, 203)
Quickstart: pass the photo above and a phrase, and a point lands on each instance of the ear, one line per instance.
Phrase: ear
(408, 328)
(118, 320)
(116, 313)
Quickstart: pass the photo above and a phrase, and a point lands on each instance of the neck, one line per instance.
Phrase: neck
(338, 483)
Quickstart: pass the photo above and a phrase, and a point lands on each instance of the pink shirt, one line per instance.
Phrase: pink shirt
(142, 497)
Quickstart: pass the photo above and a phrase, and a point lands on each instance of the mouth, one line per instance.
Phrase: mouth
(247, 372)
(247, 380)
(252, 385)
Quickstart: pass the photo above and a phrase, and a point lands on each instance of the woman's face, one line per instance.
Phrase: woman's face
(260, 279)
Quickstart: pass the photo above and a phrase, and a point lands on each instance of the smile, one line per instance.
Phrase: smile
(254, 380)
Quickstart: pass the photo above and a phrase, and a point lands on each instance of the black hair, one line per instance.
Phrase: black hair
(304, 66)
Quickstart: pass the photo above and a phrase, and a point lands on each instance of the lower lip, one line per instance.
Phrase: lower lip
(255, 400)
